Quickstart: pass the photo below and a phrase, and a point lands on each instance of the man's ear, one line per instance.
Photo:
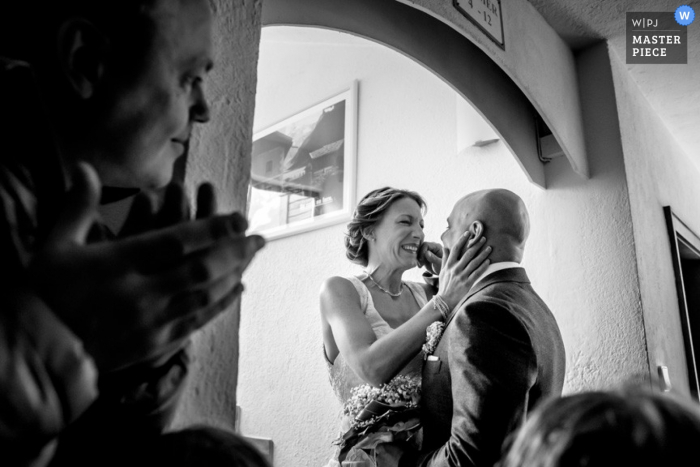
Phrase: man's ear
(476, 230)
(81, 49)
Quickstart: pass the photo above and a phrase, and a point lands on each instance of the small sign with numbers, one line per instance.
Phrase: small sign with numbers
(486, 14)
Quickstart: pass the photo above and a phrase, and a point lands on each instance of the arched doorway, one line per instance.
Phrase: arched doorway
(415, 132)
(439, 48)
(290, 400)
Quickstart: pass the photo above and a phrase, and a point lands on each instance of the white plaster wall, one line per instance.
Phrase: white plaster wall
(580, 256)
(659, 174)
(538, 61)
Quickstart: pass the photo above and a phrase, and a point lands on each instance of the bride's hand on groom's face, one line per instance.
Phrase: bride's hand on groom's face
(462, 266)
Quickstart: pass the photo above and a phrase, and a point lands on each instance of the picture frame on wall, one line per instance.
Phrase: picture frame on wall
(303, 169)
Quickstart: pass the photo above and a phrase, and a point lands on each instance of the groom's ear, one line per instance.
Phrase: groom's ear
(476, 231)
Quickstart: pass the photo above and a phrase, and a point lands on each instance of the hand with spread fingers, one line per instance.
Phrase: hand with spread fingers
(135, 298)
(145, 216)
(461, 267)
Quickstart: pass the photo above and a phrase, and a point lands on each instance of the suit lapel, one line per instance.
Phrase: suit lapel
(504, 275)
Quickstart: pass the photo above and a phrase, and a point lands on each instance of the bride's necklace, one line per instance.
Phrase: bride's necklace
(395, 295)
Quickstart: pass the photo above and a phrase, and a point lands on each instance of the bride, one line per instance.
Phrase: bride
(374, 324)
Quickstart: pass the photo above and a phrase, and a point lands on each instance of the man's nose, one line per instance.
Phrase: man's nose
(199, 111)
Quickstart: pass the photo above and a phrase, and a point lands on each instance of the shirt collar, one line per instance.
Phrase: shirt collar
(493, 267)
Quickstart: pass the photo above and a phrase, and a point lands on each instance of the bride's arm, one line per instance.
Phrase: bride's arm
(374, 360)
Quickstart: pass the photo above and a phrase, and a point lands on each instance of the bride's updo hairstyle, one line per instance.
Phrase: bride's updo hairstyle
(368, 212)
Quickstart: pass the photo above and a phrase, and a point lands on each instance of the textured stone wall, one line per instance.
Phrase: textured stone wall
(220, 153)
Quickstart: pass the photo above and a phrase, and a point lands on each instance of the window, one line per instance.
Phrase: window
(685, 253)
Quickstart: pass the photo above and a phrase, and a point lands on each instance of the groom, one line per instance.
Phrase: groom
(501, 353)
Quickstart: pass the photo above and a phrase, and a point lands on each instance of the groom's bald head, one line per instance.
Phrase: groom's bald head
(500, 215)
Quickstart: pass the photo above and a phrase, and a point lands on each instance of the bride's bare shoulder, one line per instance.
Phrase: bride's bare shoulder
(336, 285)
(338, 293)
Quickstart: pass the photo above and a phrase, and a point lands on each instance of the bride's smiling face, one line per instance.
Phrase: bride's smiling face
(398, 235)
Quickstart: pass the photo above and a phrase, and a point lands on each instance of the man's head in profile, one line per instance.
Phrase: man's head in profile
(123, 82)
(498, 214)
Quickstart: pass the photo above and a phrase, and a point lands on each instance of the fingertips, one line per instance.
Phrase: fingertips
(231, 256)
(145, 201)
(484, 251)
(222, 227)
(256, 242)
(79, 210)
(479, 259)
(141, 217)
(476, 243)
(237, 223)
(86, 178)
(85, 192)
(206, 200)
(175, 206)
(229, 227)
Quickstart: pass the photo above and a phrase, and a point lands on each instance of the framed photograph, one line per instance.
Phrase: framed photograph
(303, 170)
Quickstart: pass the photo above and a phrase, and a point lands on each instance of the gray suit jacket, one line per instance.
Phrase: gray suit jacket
(500, 355)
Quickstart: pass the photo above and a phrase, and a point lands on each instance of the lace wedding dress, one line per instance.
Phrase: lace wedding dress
(343, 378)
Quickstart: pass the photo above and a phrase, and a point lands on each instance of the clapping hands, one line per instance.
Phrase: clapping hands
(140, 297)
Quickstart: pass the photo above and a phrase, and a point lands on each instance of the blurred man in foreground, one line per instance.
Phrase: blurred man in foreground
(93, 333)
